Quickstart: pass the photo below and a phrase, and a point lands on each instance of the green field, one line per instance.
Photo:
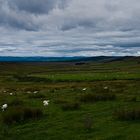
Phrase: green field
(72, 113)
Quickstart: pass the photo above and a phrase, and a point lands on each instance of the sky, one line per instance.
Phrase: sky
(65, 28)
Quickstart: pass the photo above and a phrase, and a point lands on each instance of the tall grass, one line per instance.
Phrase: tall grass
(37, 95)
(88, 122)
(89, 97)
(127, 114)
(20, 114)
(16, 102)
(70, 106)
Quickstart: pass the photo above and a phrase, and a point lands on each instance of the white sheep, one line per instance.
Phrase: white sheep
(11, 93)
(35, 92)
(4, 107)
(84, 89)
(46, 102)
(105, 87)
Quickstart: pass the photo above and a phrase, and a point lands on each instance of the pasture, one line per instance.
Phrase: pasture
(90, 101)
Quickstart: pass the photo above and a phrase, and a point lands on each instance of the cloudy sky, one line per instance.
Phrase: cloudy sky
(69, 27)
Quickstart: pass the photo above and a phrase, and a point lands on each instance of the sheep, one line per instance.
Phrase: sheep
(11, 94)
(46, 102)
(84, 89)
(35, 92)
(4, 107)
(105, 87)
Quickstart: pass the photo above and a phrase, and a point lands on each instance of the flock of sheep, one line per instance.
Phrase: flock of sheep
(5, 106)
(45, 102)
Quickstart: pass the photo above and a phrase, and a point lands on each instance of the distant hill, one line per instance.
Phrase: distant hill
(64, 59)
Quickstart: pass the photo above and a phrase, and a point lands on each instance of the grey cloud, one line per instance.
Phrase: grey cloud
(69, 27)
(33, 6)
(24, 14)
(12, 18)
(66, 15)
(50, 44)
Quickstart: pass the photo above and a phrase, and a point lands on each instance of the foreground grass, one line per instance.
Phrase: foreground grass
(70, 124)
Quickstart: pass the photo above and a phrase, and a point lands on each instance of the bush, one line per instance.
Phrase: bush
(70, 106)
(20, 114)
(97, 97)
(127, 114)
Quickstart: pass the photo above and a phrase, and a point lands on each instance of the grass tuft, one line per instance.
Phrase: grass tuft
(97, 97)
(16, 102)
(20, 114)
(127, 114)
(70, 106)
(37, 95)
(88, 122)
(60, 101)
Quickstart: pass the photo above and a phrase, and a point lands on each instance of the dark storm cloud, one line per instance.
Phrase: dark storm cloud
(33, 6)
(13, 18)
(66, 15)
(25, 14)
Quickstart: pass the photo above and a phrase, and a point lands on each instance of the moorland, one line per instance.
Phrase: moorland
(88, 100)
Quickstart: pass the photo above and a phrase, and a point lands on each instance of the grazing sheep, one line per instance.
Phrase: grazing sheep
(35, 92)
(105, 87)
(11, 94)
(46, 102)
(84, 89)
(4, 107)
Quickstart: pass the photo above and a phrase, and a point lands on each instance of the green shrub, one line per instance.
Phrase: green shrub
(127, 114)
(70, 106)
(20, 114)
(97, 97)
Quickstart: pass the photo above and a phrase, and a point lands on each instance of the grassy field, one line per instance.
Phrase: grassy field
(88, 101)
